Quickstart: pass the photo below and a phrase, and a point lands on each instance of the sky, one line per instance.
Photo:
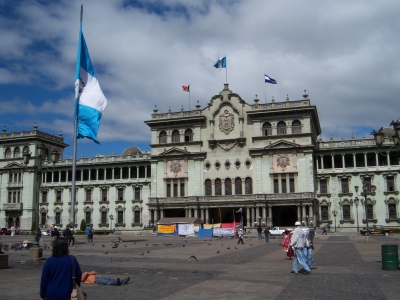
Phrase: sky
(344, 53)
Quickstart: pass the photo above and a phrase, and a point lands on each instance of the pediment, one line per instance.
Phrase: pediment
(174, 151)
(282, 144)
(13, 165)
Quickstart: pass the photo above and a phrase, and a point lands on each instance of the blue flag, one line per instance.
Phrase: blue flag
(220, 63)
(269, 79)
(90, 101)
(239, 211)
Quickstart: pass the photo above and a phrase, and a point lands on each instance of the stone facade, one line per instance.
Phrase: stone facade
(260, 162)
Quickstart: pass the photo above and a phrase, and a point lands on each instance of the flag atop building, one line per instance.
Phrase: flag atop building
(269, 79)
(239, 211)
(220, 63)
(186, 88)
(90, 101)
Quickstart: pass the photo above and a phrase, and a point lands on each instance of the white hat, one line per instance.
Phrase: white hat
(55, 226)
(240, 229)
(297, 223)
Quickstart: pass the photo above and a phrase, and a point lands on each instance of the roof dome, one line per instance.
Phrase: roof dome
(132, 150)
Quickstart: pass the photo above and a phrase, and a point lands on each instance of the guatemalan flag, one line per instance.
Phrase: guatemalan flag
(89, 98)
(220, 63)
(269, 79)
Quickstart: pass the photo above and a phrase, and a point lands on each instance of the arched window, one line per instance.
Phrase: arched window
(296, 126)
(208, 189)
(248, 183)
(238, 186)
(188, 135)
(281, 127)
(163, 137)
(176, 137)
(26, 149)
(8, 153)
(218, 189)
(228, 186)
(17, 152)
(267, 129)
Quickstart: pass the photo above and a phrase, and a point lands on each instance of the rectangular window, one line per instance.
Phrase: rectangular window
(44, 197)
(370, 211)
(168, 190)
(390, 183)
(228, 187)
(58, 197)
(120, 194)
(14, 197)
(137, 193)
(291, 185)
(175, 190)
(120, 217)
(323, 187)
(345, 185)
(88, 217)
(324, 212)
(283, 182)
(58, 218)
(19, 197)
(182, 190)
(367, 183)
(276, 186)
(10, 197)
(103, 217)
(346, 212)
(392, 211)
(136, 219)
(43, 219)
(88, 195)
(104, 194)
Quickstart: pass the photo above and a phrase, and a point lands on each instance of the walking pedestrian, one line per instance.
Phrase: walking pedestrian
(39, 235)
(259, 231)
(240, 236)
(72, 237)
(67, 234)
(324, 230)
(299, 243)
(88, 232)
(55, 234)
(266, 234)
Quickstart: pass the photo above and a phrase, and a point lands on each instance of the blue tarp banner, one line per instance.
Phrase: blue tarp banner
(205, 233)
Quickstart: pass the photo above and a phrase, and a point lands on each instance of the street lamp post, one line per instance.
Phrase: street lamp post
(356, 201)
(36, 252)
(334, 214)
(111, 219)
(366, 189)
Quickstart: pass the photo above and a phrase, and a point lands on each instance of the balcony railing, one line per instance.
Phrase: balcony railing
(12, 206)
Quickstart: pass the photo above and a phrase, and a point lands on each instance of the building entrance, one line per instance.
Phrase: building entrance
(284, 216)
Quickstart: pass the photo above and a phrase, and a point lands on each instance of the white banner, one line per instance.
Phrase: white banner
(223, 232)
(185, 229)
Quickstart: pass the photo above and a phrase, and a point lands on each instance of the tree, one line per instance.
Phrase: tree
(83, 225)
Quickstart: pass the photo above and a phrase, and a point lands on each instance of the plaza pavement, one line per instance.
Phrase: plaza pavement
(158, 267)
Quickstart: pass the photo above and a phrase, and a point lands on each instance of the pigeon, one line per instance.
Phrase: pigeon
(124, 245)
(228, 248)
(106, 252)
(92, 244)
(222, 245)
(148, 252)
(185, 241)
(251, 244)
(142, 253)
(103, 245)
(218, 251)
(183, 245)
(194, 257)
(209, 244)
(120, 240)
(134, 243)
(235, 248)
(114, 244)
(110, 259)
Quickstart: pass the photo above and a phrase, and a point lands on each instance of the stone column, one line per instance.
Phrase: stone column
(311, 216)
(120, 173)
(270, 219)
(112, 173)
(207, 212)
(322, 162)
(377, 159)
(343, 162)
(82, 175)
(137, 173)
(298, 213)
(248, 216)
(202, 214)
(52, 176)
(129, 172)
(365, 160)
(161, 213)
(145, 171)
(388, 158)
(264, 215)
(304, 213)
(317, 162)
(97, 174)
(354, 160)
(333, 161)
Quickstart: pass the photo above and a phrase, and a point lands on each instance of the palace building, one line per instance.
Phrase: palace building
(258, 162)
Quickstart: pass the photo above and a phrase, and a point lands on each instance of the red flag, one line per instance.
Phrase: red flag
(186, 88)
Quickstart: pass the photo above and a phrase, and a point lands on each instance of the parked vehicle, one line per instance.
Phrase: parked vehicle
(377, 229)
(276, 231)
(5, 231)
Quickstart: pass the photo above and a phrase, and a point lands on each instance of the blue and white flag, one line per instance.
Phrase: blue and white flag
(239, 211)
(220, 63)
(89, 98)
(269, 79)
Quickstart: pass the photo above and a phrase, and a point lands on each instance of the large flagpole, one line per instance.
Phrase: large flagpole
(73, 190)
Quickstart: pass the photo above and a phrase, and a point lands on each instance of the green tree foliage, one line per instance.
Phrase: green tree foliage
(83, 225)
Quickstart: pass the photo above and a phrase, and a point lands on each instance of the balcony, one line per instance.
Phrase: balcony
(12, 206)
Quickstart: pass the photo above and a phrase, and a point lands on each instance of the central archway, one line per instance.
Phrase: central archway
(284, 216)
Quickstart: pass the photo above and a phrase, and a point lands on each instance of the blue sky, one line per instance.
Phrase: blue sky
(345, 54)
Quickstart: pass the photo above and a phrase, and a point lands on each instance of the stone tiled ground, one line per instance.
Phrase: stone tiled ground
(346, 268)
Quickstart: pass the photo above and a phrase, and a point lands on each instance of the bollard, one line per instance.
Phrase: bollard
(390, 257)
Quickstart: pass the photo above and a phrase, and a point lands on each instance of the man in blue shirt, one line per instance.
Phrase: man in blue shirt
(88, 231)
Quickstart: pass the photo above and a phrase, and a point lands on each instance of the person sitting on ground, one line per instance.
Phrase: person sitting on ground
(92, 277)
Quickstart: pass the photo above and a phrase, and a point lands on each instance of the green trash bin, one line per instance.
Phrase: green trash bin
(390, 257)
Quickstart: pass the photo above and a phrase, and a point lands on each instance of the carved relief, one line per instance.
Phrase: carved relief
(226, 122)
(175, 168)
(283, 163)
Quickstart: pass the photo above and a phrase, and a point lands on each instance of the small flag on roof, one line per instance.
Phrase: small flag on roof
(269, 79)
(186, 88)
(220, 63)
